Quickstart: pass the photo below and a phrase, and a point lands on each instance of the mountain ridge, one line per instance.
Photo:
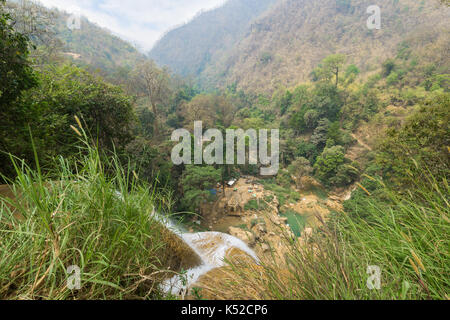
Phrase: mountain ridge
(283, 44)
(90, 44)
(208, 33)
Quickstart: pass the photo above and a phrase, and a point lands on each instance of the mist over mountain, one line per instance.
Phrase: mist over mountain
(188, 49)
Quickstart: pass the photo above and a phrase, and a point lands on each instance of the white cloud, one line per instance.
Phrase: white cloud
(142, 22)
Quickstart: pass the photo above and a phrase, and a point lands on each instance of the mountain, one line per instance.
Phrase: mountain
(280, 46)
(97, 46)
(89, 44)
(188, 49)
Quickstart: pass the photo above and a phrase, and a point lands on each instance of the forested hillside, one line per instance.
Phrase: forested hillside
(282, 47)
(188, 49)
(88, 45)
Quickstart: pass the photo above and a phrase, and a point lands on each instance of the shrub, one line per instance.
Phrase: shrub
(392, 79)
(255, 205)
(328, 163)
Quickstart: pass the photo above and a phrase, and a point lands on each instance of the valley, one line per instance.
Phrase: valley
(104, 168)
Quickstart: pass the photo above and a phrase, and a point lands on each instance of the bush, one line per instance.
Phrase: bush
(392, 79)
(423, 139)
(345, 175)
(327, 164)
(388, 67)
(255, 205)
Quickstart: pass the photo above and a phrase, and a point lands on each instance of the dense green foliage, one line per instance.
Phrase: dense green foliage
(197, 181)
(16, 74)
(424, 138)
(46, 112)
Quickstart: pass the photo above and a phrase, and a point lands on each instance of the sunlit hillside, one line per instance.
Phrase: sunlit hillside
(282, 46)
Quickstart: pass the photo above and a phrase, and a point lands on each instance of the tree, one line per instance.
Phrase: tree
(16, 74)
(327, 100)
(346, 174)
(331, 67)
(320, 136)
(154, 83)
(311, 118)
(224, 111)
(199, 109)
(282, 100)
(300, 168)
(49, 110)
(307, 150)
(302, 102)
(388, 66)
(197, 181)
(351, 73)
(212, 109)
(328, 162)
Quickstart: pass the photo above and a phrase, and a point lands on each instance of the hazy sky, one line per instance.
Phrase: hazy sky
(140, 21)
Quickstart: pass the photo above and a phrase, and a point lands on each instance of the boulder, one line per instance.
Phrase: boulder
(259, 230)
(246, 236)
(308, 183)
(265, 247)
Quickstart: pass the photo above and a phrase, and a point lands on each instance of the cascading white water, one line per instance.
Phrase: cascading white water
(211, 247)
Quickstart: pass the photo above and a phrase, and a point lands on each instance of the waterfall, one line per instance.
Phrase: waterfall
(211, 247)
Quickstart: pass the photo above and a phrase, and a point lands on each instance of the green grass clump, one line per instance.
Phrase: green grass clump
(257, 221)
(255, 205)
(243, 227)
(88, 213)
(283, 194)
(294, 196)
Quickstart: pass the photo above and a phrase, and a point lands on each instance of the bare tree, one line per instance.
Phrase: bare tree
(153, 83)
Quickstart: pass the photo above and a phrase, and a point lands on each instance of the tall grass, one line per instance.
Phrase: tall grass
(408, 237)
(89, 213)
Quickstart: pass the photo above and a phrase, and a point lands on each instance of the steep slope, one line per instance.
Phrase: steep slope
(97, 46)
(89, 44)
(189, 48)
(284, 47)
(285, 43)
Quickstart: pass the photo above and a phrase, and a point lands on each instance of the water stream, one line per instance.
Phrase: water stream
(211, 247)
